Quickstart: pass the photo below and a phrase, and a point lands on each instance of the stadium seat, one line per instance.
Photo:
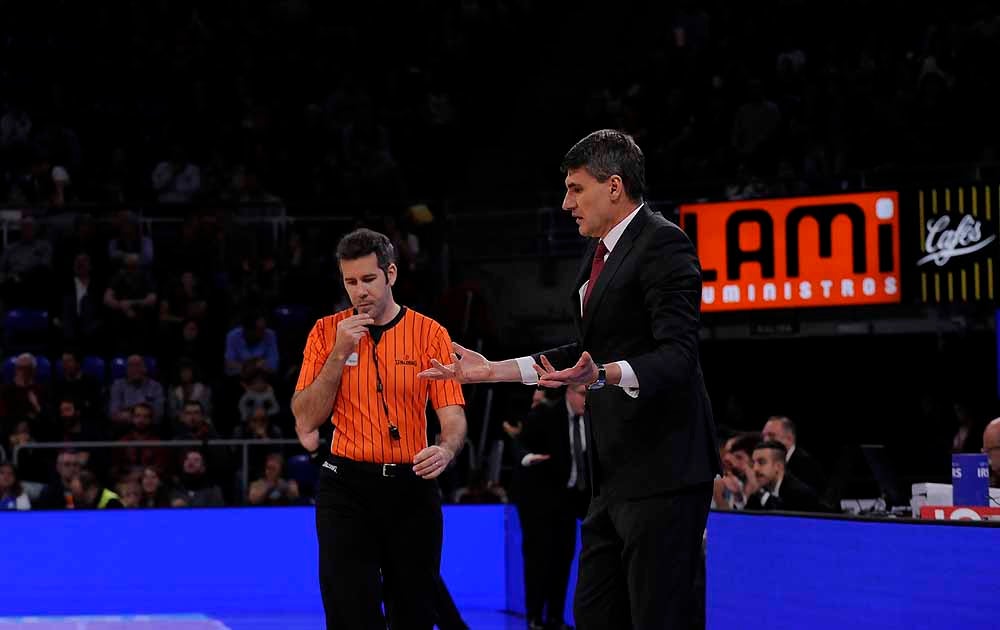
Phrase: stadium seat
(44, 372)
(302, 469)
(26, 330)
(291, 318)
(96, 368)
(26, 320)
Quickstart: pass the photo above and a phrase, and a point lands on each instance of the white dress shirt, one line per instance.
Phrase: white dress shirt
(81, 292)
(629, 381)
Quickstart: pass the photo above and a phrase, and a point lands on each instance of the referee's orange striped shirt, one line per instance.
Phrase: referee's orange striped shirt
(361, 429)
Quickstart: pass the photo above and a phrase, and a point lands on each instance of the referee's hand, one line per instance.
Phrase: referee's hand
(431, 462)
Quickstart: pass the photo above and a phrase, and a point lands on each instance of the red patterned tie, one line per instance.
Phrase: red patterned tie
(595, 270)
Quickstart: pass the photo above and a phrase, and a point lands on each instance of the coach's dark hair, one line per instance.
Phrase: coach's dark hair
(609, 152)
(361, 242)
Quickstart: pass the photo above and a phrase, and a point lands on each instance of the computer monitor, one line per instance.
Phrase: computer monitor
(878, 461)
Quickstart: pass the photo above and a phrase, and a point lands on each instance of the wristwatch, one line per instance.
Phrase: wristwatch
(602, 379)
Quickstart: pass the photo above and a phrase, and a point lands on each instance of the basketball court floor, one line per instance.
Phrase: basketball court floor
(478, 619)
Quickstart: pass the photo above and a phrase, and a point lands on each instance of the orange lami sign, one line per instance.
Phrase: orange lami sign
(833, 250)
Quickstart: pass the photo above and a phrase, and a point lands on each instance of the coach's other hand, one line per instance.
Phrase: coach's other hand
(468, 367)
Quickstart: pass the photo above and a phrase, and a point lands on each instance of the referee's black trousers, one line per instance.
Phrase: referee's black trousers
(379, 540)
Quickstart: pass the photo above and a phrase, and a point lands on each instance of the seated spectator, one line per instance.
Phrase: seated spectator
(778, 488)
(86, 239)
(58, 495)
(79, 313)
(193, 423)
(185, 301)
(259, 427)
(130, 493)
(130, 241)
(142, 431)
(991, 446)
(272, 489)
(479, 490)
(800, 463)
(24, 398)
(136, 387)
(12, 495)
(188, 389)
(90, 494)
(738, 481)
(190, 346)
(259, 394)
(25, 266)
(154, 491)
(176, 180)
(82, 388)
(194, 488)
(252, 343)
(73, 427)
(131, 298)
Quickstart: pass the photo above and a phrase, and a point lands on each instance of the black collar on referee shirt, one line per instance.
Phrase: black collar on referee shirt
(376, 331)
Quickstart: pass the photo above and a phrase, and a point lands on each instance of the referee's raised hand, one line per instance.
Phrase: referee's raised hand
(349, 332)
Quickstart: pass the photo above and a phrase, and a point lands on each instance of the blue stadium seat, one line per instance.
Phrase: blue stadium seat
(96, 368)
(118, 365)
(290, 317)
(117, 368)
(302, 469)
(25, 320)
(26, 330)
(43, 374)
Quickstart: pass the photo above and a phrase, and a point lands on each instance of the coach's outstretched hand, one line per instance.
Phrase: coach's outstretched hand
(583, 373)
(467, 366)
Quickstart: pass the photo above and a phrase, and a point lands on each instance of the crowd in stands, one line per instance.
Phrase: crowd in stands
(326, 106)
(110, 336)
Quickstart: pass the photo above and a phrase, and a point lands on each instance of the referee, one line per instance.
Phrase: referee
(378, 510)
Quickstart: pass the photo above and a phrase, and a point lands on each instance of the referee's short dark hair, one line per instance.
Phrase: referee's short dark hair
(610, 152)
(362, 242)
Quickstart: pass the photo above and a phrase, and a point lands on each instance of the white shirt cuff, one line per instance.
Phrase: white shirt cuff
(528, 374)
(526, 460)
(629, 382)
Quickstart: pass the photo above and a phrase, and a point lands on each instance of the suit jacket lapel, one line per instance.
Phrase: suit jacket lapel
(581, 277)
(611, 266)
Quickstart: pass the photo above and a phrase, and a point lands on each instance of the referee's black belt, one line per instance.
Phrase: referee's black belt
(342, 465)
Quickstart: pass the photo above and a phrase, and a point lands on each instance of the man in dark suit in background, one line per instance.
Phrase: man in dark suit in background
(798, 462)
(653, 456)
(779, 488)
(552, 495)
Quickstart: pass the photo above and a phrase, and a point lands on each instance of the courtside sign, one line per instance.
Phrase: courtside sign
(797, 252)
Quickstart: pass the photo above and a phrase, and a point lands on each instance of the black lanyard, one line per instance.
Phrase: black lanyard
(393, 429)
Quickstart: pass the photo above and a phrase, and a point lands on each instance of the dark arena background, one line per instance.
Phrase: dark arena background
(174, 179)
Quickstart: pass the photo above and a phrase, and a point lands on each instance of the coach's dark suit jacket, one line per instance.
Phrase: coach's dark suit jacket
(644, 308)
